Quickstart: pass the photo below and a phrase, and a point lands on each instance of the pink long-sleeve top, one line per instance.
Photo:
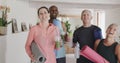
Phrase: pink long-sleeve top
(45, 40)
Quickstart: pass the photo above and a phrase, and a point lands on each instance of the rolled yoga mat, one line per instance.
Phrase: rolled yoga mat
(39, 57)
(89, 53)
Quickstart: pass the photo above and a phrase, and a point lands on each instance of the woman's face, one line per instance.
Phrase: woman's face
(43, 15)
(111, 31)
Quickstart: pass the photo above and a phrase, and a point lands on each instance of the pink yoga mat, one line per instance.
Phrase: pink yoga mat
(87, 52)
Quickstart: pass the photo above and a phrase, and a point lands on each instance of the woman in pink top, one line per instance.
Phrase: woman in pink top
(44, 35)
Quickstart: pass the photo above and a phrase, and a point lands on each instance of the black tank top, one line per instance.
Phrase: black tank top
(108, 52)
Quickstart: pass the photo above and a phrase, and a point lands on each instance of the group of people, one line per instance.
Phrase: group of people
(91, 35)
(45, 33)
(50, 27)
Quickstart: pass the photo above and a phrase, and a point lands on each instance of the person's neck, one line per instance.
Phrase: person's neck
(109, 41)
(86, 25)
(51, 20)
(45, 24)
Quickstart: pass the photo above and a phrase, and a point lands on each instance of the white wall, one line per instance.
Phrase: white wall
(3, 2)
(2, 49)
(12, 45)
(85, 1)
(113, 16)
(12, 48)
(22, 12)
(15, 48)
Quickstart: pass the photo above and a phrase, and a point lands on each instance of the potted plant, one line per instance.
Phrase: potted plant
(67, 24)
(3, 19)
(69, 32)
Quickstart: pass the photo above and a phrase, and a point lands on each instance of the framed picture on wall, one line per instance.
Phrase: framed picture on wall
(14, 26)
(23, 26)
(30, 25)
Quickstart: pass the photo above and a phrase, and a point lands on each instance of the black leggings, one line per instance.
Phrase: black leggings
(83, 60)
(61, 60)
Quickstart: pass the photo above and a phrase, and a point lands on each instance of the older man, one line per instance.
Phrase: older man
(86, 34)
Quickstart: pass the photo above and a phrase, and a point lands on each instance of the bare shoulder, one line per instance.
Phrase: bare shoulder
(118, 46)
(117, 50)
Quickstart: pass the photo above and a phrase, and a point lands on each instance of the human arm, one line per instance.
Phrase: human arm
(75, 39)
(58, 41)
(96, 44)
(117, 51)
(28, 44)
(60, 28)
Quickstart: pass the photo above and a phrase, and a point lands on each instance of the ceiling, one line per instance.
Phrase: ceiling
(83, 1)
(75, 6)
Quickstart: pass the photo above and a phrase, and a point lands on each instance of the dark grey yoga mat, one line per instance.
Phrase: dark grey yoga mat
(37, 53)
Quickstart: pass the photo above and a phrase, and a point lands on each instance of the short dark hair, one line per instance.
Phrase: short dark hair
(52, 7)
(41, 8)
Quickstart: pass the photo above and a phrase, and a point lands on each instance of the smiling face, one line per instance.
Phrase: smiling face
(86, 17)
(43, 14)
(111, 31)
(53, 12)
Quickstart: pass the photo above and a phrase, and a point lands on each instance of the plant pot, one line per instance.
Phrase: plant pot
(3, 30)
(67, 38)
